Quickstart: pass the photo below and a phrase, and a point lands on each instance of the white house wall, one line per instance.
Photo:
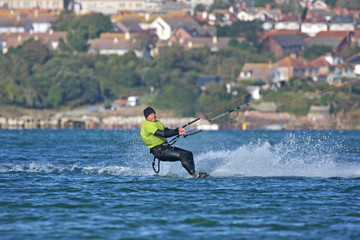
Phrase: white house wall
(312, 29)
(163, 30)
(111, 6)
(31, 4)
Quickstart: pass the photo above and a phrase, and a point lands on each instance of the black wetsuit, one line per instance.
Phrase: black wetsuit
(165, 152)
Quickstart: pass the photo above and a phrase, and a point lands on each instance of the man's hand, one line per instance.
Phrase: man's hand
(182, 131)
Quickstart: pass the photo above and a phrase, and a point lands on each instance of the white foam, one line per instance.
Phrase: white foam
(292, 156)
(288, 158)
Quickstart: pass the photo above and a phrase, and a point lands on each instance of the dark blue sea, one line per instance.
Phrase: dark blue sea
(99, 184)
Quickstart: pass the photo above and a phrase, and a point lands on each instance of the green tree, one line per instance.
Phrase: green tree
(315, 51)
(81, 29)
(220, 4)
(34, 51)
(66, 81)
(78, 39)
(199, 8)
(55, 96)
(263, 3)
(178, 98)
(350, 50)
(151, 78)
(215, 96)
(249, 30)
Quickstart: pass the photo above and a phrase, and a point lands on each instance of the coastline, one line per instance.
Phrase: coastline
(132, 118)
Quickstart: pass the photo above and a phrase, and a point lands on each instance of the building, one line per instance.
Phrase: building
(337, 40)
(328, 68)
(288, 67)
(31, 4)
(283, 44)
(50, 39)
(114, 6)
(266, 72)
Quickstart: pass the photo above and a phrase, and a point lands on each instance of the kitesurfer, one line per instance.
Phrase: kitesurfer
(155, 135)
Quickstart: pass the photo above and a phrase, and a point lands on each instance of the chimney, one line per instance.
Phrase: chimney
(147, 16)
(127, 35)
(190, 44)
(19, 38)
(214, 39)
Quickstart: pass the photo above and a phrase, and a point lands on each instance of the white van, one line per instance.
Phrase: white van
(133, 101)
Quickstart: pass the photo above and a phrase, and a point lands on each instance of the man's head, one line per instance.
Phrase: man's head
(149, 114)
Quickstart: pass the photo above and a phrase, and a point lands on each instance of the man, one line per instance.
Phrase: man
(154, 135)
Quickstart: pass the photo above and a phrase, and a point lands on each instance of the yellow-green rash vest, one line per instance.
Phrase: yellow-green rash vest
(148, 129)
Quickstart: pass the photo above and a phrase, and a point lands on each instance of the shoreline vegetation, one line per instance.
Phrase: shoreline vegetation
(132, 118)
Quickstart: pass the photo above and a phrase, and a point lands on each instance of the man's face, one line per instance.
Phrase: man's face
(151, 117)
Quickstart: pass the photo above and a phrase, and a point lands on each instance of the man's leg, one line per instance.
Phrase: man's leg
(177, 154)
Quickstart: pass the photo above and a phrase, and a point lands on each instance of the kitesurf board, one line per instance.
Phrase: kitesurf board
(201, 175)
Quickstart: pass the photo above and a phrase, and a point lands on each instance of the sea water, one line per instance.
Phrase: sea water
(99, 184)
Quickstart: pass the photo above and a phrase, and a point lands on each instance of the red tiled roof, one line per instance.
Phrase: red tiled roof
(319, 62)
(274, 32)
(292, 62)
(332, 34)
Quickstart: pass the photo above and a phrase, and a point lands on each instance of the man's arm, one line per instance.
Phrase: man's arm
(167, 132)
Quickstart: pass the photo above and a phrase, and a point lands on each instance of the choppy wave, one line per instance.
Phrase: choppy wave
(88, 170)
(292, 156)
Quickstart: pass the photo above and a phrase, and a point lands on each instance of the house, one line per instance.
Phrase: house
(213, 17)
(214, 43)
(127, 25)
(268, 16)
(283, 44)
(200, 37)
(32, 4)
(313, 4)
(171, 6)
(246, 15)
(337, 40)
(166, 26)
(266, 72)
(354, 61)
(289, 67)
(110, 6)
(311, 25)
(204, 80)
(15, 25)
(113, 44)
(193, 3)
(185, 33)
(328, 69)
(42, 22)
(51, 39)
(342, 22)
(288, 22)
